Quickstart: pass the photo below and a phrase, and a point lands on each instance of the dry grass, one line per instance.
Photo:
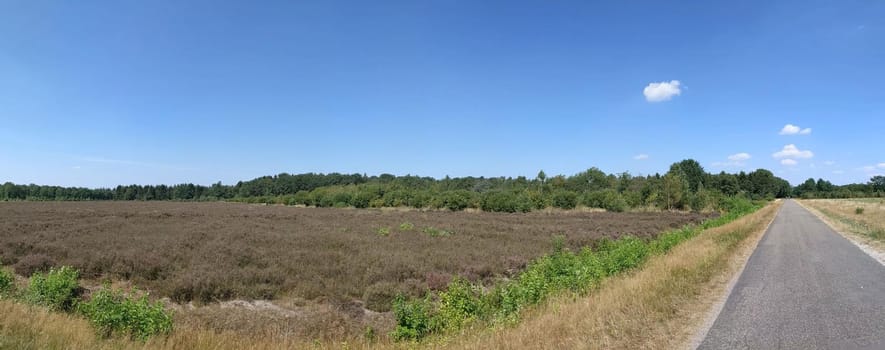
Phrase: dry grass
(867, 227)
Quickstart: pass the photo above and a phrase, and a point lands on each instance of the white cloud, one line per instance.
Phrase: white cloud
(791, 129)
(838, 172)
(663, 91)
(739, 157)
(829, 163)
(881, 165)
(642, 156)
(734, 160)
(788, 162)
(791, 151)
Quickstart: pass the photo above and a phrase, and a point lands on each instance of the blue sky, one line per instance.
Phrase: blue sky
(117, 92)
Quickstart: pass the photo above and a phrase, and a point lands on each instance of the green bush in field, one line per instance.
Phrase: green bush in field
(7, 282)
(302, 197)
(505, 201)
(383, 231)
(454, 200)
(114, 312)
(564, 199)
(413, 318)
(362, 199)
(406, 226)
(858, 210)
(58, 289)
(607, 199)
(458, 305)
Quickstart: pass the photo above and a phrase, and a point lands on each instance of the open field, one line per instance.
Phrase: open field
(331, 271)
(658, 306)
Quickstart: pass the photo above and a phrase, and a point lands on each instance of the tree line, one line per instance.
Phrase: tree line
(685, 186)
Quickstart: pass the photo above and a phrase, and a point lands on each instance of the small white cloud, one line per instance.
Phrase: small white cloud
(734, 160)
(788, 162)
(838, 172)
(791, 151)
(739, 157)
(791, 129)
(76, 167)
(881, 165)
(829, 163)
(642, 156)
(868, 168)
(663, 91)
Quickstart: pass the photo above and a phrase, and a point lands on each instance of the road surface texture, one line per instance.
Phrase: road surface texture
(805, 287)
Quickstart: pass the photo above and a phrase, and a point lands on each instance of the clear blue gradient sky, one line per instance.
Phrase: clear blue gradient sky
(100, 93)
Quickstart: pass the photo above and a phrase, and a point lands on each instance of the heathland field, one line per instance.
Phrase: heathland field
(329, 273)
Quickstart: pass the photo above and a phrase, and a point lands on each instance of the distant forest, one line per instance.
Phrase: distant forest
(685, 186)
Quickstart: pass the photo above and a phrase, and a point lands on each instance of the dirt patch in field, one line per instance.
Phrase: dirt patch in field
(207, 252)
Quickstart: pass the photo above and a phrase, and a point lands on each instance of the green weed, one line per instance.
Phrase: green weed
(435, 232)
(58, 289)
(114, 312)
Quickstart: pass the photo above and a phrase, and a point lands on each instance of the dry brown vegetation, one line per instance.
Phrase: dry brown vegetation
(655, 307)
(862, 218)
(332, 272)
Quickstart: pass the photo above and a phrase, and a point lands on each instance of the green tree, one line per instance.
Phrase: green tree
(877, 183)
(673, 190)
(691, 171)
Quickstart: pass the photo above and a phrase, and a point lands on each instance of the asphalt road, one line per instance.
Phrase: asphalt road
(805, 287)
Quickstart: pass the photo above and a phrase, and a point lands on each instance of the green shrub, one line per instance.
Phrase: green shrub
(406, 226)
(7, 282)
(608, 199)
(454, 200)
(114, 312)
(564, 199)
(624, 254)
(302, 197)
(505, 201)
(858, 210)
(412, 318)
(57, 289)
(459, 304)
(362, 199)
(383, 231)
